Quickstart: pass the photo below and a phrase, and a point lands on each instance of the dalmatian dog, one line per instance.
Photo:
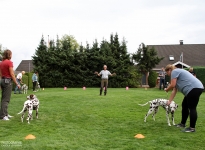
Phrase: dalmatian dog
(38, 87)
(24, 88)
(32, 103)
(154, 106)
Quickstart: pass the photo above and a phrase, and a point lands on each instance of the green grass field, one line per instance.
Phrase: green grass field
(76, 119)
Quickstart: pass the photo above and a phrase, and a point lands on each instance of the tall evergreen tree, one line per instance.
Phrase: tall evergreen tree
(40, 61)
(147, 59)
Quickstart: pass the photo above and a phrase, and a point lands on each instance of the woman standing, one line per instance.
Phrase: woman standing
(35, 80)
(191, 87)
(7, 75)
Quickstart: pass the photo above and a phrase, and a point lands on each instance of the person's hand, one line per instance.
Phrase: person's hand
(19, 86)
(165, 89)
(168, 103)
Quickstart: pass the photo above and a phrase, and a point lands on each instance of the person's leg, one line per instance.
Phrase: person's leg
(6, 95)
(185, 111)
(34, 85)
(160, 83)
(106, 84)
(16, 88)
(101, 87)
(193, 99)
(19, 89)
(163, 82)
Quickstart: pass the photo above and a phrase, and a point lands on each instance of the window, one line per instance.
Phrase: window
(171, 57)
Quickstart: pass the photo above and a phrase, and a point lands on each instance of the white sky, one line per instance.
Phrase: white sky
(23, 22)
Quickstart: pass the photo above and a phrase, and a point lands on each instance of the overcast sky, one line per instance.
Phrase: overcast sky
(153, 22)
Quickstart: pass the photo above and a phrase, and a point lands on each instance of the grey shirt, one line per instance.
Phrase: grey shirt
(105, 74)
(162, 74)
(185, 81)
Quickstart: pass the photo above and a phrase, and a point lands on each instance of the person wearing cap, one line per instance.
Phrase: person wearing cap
(19, 80)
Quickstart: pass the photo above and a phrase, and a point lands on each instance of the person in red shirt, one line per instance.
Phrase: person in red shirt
(7, 75)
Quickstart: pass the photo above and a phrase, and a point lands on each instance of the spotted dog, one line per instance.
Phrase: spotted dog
(154, 106)
(24, 88)
(32, 103)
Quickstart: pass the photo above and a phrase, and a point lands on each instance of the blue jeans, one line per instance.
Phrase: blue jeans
(162, 81)
(19, 89)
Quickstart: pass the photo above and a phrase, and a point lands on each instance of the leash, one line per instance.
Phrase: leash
(167, 95)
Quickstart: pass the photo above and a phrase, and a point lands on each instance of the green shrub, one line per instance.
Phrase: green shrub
(152, 79)
(200, 72)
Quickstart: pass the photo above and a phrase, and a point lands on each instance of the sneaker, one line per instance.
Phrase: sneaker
(14, 93)
(188, 130)
(9, 116)
(180, 125)
(5, 118)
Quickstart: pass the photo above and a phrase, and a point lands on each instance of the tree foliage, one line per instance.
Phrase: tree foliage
(147, 59)
(66, 63)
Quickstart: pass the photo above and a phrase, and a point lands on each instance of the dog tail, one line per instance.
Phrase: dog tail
(22, 110)
(143, 104)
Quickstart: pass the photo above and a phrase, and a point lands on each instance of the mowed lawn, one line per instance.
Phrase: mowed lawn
(77, 119)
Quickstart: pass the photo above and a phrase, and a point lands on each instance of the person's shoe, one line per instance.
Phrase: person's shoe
(189, 129)
(14, 93)
(5, 118)
(180, 125)
(9, 116)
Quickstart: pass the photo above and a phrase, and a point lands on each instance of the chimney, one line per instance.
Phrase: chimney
(181, 42)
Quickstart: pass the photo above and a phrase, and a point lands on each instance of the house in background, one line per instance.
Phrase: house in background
(181, 55)
(25, 65)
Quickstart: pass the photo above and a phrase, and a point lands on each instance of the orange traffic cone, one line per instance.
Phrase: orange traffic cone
(139, 136)
(30, 137)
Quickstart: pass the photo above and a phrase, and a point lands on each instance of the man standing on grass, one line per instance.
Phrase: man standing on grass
(162, 78)
(104, 79)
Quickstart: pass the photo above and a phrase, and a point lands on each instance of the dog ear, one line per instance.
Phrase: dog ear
(31, 96)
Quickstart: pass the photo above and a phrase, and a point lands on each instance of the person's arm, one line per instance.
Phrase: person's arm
(173, 94)
(172, 85)
(174, 91)
(99, 73)
(11, 71)
(33, 78)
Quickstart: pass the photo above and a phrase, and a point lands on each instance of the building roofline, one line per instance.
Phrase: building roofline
(181, 63)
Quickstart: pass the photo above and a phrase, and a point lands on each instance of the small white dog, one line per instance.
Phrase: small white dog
(24, 88)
